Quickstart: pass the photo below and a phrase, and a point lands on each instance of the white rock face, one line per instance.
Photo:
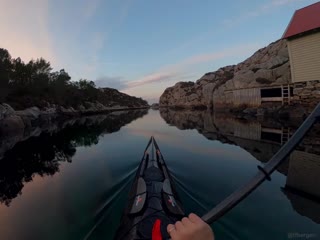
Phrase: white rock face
(6, 111)
(183, 94)
(31, 113)
(268, 66)
(12, 124)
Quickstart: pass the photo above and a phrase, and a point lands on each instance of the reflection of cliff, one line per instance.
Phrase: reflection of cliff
(302, 185)
(303, 205)
(263, 139)
(43, 152)
(116, 120)
(226, 129)
(303, 174)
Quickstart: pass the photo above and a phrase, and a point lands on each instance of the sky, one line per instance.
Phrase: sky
(141, 47)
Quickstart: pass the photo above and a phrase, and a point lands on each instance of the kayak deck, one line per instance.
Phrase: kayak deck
(153, 202)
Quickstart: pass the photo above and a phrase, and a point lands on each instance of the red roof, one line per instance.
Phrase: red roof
(303, 20)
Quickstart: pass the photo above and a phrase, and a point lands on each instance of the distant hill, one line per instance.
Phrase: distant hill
(113, 97)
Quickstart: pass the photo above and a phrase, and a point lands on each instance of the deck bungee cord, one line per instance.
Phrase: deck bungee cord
(153, 202)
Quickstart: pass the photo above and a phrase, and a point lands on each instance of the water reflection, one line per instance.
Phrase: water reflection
(86, 198)
(302, 185)
(44, 149)
(262, 139)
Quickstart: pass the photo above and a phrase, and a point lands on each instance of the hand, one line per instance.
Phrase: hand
(191, 228)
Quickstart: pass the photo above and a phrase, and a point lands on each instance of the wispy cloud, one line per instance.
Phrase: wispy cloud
(97, 44)
(113, 82)
(270, 6)
(181, 70)
(152, 78)
(233, 21)
(99, 39)
(90, 7)
(24, 29)
(124, 12)
(283, 2)
(261, 10)
(120, 84)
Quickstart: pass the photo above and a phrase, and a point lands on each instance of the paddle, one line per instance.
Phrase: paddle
(264, 172)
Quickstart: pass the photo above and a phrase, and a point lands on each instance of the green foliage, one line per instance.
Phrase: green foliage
(5, 68)
(34, 83)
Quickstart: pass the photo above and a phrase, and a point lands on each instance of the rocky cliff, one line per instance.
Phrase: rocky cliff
(267, 67)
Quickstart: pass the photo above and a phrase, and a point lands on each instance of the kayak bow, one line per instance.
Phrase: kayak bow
(153, 202)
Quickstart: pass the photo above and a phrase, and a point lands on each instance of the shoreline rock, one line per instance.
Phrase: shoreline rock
(13, 122)
(15, 129)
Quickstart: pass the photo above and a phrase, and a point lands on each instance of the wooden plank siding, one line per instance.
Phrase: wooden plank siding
(304, 53)
(250, 97)
(247, 130)
(272, 99)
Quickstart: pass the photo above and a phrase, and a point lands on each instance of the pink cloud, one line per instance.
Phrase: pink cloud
(151, 78)
(179, 70)
(24, 29)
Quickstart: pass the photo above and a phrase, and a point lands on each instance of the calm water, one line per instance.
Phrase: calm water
(71, 180)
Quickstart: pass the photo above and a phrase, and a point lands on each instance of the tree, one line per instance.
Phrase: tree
(41, 66)
(24, 85)
(5, 70)
(18, 72)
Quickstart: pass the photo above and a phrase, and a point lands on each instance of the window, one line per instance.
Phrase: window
(273, 137)
(271, 92)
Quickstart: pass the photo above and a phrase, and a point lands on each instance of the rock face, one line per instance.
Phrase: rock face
(183, 94)
(307, 94)
(32, 113)
(269, 66)
(5, 111)
(12, 125)
(15, 128)
(14, 122)
(17, 122)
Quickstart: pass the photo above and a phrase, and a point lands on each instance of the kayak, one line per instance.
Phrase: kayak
(153, 202)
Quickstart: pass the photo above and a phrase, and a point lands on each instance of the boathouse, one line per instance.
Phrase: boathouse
(263, 84)
(303, 40)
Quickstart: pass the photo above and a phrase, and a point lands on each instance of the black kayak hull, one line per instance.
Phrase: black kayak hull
(153, 202)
